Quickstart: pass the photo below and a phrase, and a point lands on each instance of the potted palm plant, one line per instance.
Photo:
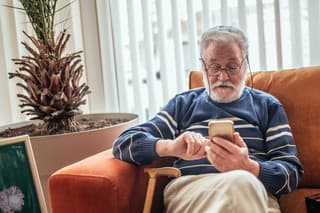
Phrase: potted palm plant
(52, 96)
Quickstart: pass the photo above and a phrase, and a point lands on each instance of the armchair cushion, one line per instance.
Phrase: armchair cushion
(299, 92)
(102, 183)
(294, 202)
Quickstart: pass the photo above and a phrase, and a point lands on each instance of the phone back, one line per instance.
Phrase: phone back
(221, 128)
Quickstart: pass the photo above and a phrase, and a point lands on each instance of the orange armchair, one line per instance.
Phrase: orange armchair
(102, 183)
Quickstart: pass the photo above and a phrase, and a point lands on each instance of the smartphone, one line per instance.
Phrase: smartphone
(221, 128)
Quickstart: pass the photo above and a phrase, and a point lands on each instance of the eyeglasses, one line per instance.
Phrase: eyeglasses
(216, 69)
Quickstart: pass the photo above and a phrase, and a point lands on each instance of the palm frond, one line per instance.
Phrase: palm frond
(12, 7)
(41, 14)
(65, 6)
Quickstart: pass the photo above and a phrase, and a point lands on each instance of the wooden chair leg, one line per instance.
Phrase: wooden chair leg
(153, 174)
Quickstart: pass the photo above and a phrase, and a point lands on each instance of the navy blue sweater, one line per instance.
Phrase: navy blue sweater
(258, 117)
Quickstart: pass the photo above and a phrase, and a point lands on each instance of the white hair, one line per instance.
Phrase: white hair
(224, 34)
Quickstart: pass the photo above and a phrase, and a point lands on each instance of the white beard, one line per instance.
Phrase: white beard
(215, 97)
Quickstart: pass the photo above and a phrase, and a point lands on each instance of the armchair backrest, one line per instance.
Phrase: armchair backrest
(299, 92)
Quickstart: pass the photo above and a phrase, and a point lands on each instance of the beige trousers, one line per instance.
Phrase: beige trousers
(234, 191)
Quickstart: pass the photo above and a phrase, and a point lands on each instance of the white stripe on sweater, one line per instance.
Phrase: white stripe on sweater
(270, 138)
(285, 156)
(280, 147)
(226, 118)
(157, 128)
(170, 118)
(278, 127)
(197, 127)
(235, 126)
(296, 171)
(130, 152)
(193, 166)
(241, 126)
(258, 153)
(168, 124)
(252, 138)
(120, 153)
(287, 180)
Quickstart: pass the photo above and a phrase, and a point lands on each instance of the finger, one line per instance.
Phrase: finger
(207, 141)
(197, 142)
(228, 145)
(221, 152)
(213, 159)
(190, 144)
(203, 142)
(210, 155)
(200, 154)
(238, 140)
(198, 138)
(201, 151)
(203, 139)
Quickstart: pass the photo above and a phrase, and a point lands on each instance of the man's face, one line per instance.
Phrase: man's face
(224, 87)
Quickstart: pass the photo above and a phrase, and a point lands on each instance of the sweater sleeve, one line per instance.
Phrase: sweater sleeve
(282, 171)
(137, 145)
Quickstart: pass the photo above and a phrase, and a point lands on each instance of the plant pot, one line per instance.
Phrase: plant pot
(53, 152)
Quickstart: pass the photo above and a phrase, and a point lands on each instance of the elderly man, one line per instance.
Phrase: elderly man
(245, 175)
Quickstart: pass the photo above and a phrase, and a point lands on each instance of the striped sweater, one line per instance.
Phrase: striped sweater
(258, 117)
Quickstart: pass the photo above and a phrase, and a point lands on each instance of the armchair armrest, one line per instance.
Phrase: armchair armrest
(153, 174)
(101, 183)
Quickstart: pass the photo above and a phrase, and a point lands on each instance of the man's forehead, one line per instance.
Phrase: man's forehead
(213, 55)
(221, 43)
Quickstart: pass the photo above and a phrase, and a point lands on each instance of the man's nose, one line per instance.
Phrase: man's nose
(223, 75)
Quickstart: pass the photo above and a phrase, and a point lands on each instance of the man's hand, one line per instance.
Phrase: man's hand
(226, 156)
(188, 146)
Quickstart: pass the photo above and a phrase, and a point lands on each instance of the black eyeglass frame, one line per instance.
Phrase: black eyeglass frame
(227, 69)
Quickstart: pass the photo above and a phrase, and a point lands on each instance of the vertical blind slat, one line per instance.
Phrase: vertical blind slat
(92, 58)
(118, 40)
(107, 56)
(148, 51)
(134, 53)
(5, 105)
(179, 61)
(13, 49)
(261, 35)
(295, 32)
(224, 12)
(75, 30)
(193, 46)
(314, 31)
(76, 43)
(277, 23)
(242, 15)
(19, 51)
(207, 19)
(162, 48)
